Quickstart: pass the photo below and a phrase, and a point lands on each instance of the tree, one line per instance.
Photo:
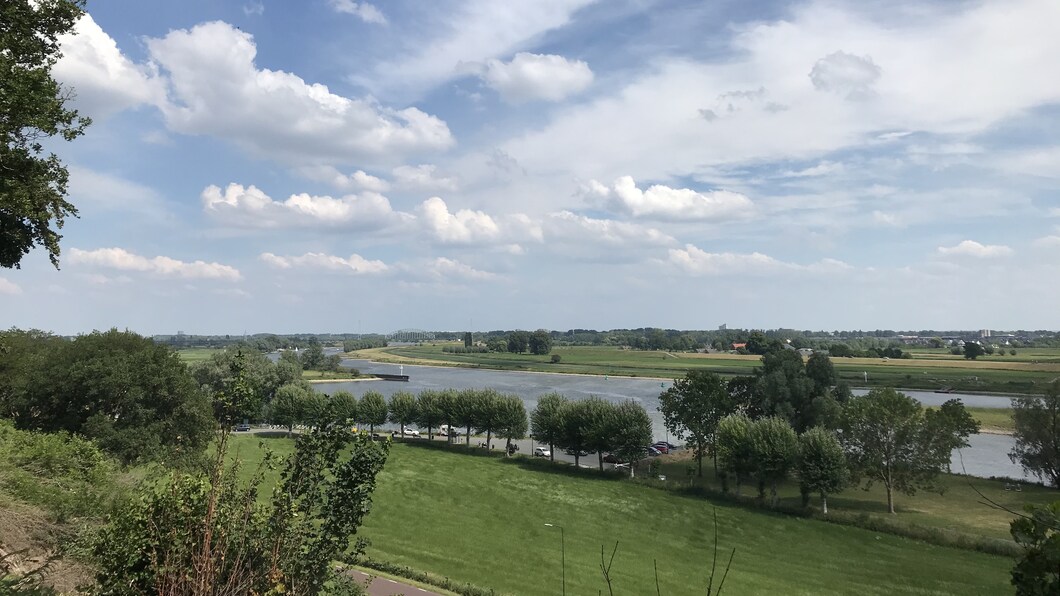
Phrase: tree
(429, 411)
(371, 410)
(735, 454)
(783, 389)
(546, 421)
(497, 343)
(692, 408)
(467, 339)
(343, 407)
(286, 407)
(888, 439)
(540, 342)
(511, 420)
(313, 356)
(447, 410)
(973, 350)
(485, 408)
(263, 376)
(464, 412)
(820, 370)
(315, 410)
(33, 206)
(577, 417)
(518, 341)
(1037, 573)
(602, 430)
(774, 447)
(632, 430)
(821, 465)
(403, 410)
(1037, 434)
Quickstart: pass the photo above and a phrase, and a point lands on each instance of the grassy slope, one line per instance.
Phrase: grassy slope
(482, 520)
(1005, 374)
(192, 355)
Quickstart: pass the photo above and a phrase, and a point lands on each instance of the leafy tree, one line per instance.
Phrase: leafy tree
(821, 465)
(497, 344)
(485, 407)
(820, 370)
(313, 356)
(518, 341)
(973, 350)
(467, 339)
(1037, 434)
(540, 342)
(403, 409)
(260, 373)
(343, 407)
(841, 351)
(33, 206)
(315, 410)
(429, 411)
(692, 408)
(1037, 573)
(889, 440)
(631, 430)
(133, 397)
(465, 412)
(511, 420)
(287, 407)
(602, 431)
(936, 342)
(546, 421)
(447, 410)
(372, 410)
(735, 452)
(783, 389)
(577, 417)
(774, 447)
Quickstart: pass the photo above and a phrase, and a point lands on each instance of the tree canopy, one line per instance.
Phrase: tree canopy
(1037, 434)
(692, 408)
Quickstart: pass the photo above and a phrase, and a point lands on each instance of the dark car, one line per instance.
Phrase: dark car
(242, 428)
(669, 446)
(577, 453)
(653, 452)
(661, 448)
(611, 458)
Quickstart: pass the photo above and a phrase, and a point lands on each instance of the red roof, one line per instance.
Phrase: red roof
(738, 346)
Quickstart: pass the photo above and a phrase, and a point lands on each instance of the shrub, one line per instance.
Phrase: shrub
(555, 359)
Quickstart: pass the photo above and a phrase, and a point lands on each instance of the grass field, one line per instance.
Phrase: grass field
(481, 520)
(1004, 374)
(191, 355)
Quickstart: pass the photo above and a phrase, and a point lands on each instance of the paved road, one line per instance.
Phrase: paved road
(386, 587)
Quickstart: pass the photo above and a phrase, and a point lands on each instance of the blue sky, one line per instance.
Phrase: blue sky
(332, 165)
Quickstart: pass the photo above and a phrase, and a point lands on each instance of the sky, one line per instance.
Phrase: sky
(341, 166)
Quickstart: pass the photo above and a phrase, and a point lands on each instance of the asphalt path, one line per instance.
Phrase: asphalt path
(380, 586)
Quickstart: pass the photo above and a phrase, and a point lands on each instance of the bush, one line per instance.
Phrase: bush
(555, 359)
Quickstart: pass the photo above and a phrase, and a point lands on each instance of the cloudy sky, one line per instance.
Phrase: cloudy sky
(332, 165)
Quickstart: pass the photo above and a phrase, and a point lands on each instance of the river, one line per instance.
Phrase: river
(986, 456)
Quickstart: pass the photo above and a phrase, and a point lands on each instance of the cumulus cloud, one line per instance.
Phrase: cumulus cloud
(671, 204)
(103, 79)
(423, 177)
(533, 77)
(359, 180)
(971, 248)
(362, 10)
(695, 261)
(355, 264)
(250, 207)
(161, 266)
(846, 74)
(565, 226)
(463, 227)
(216, 88)
(9, 287)
(443, 268)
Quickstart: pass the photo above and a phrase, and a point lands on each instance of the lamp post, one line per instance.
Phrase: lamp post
(562, 557)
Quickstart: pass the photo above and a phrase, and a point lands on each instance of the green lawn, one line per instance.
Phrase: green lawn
(481, 520)
(933, 371)
(192, 355)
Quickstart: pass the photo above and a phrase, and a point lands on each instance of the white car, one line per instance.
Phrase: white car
(542, 452)
(411, 432)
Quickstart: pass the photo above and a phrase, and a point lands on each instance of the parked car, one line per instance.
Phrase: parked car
(542, 452)
(653, 452)
(611, 458)
(411, 432)
(242, 428)
(669, 446)
(577, 453)
(661, 448)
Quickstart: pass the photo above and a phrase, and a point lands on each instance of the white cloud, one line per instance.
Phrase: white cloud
(423, 177)
(671, 204)
(362, 10)
(123, 260)
(463, 227)
(971, 248)
(359, 180)
(253, 8)
(355, 264)
(103, 79)
(112, 193)
(578, 229)
(886, 219)
(1048, 241)
(846, 74)
(531, 77)
(250, 207)
(443, 268)
(1044, 162)
(216, 88)
(695, 261)
(9, 287)
(824, 168)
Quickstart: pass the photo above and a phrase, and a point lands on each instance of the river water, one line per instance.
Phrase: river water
(986, 456)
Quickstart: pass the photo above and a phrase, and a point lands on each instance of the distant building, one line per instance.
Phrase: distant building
(806, 352)
(739, 346)
(984, 333)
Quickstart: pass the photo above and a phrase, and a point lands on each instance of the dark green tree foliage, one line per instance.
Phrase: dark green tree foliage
(1037, 434)
(33, 206)
(287, 407)
(316, 410)
(429, 412)
(692, 408)
(735, 450)
(540, 342)
(467, 339)
(821, 465)
(601, 432)
(343, 407)
(973, 350)
(888, 439)
(631, 431)
(774, 447)
(518, 341)
(372, 410)
(447, 410)
(133, 397)
(546, 421)
(820, 370)
(511, 420)
(262, 376)
(402, 409)
(485, 407)
(465, 412)
(313, 356)
(784, 390)
(578, 422)
(1037, 573)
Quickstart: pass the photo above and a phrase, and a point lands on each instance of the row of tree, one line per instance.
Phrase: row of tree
(592, 425)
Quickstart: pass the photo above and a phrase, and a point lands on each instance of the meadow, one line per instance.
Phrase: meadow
(929, 370)
(482, 520)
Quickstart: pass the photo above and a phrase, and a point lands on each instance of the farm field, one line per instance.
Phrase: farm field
(991, 374)
(481, 520)
(192, 355)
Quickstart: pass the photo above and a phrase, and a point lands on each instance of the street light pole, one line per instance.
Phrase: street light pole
(563, 557)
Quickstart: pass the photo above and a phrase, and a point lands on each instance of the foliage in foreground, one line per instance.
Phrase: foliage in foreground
(1038, 571)
(1037, 434)
(207, 534)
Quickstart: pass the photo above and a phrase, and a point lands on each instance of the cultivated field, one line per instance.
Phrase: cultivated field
(481, 520)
